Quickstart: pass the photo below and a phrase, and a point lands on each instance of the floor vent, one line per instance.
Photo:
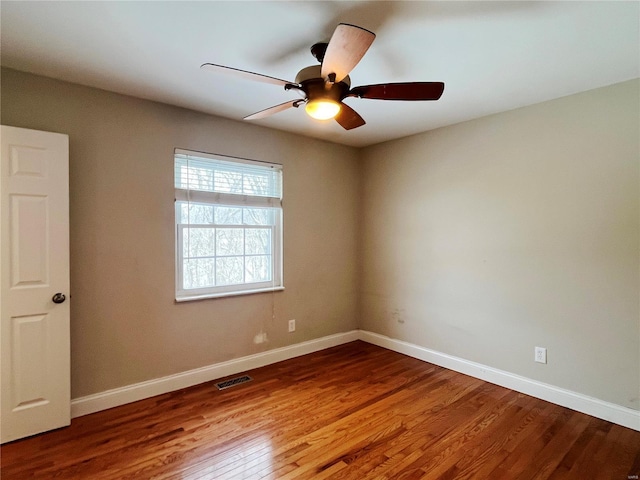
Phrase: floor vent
(233, 382)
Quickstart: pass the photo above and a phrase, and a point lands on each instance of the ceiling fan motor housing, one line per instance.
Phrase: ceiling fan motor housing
(315, 87)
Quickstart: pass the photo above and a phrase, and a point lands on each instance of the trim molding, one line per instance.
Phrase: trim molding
(611, 412)
(139, 391)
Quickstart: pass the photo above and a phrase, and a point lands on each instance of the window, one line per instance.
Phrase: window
(228, 226)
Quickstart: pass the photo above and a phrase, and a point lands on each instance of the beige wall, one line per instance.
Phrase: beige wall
(480, 240)
(487, 238)
(126, 327)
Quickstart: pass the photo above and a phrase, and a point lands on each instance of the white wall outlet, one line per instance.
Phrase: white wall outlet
(541, 355)
(292, 325)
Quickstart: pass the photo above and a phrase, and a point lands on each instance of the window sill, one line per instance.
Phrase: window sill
(206, 296)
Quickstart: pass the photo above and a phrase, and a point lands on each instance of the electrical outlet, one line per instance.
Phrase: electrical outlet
(292, 325)
(540, 355)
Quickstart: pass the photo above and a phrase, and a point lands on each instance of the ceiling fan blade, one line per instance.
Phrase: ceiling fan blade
(400, 91)
(346, 48)
(348, 118)
(271, 110)
(245, 74)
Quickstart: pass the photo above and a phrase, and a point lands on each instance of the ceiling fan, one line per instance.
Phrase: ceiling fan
(325, 86)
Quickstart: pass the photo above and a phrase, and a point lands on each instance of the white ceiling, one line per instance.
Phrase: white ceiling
(492, 56)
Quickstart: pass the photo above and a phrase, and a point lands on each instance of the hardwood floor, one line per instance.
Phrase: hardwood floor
(355, 411)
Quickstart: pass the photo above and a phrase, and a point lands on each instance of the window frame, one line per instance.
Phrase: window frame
(228, 200)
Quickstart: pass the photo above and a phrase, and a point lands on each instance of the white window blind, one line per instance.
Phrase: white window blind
(228, 225)
(229, 180)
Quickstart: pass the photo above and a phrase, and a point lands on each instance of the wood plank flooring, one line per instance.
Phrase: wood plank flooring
(352, 412)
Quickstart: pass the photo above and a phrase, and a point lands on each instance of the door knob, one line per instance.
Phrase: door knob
(58, 298)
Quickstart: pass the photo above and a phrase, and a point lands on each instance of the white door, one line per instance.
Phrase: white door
(34, 244)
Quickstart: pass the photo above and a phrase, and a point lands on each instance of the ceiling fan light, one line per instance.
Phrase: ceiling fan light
(322, 109)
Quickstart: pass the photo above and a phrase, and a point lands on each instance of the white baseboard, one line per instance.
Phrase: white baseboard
(611, 412)
(582, 403)
(139, 391)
